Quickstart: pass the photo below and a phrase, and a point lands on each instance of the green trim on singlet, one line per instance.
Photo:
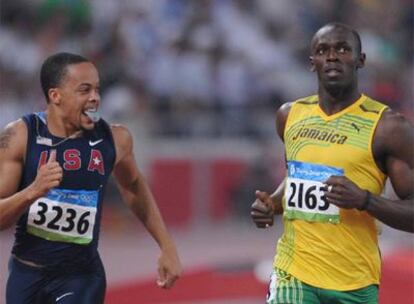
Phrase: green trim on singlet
(289, 290)
(312, 217)
(51, 236)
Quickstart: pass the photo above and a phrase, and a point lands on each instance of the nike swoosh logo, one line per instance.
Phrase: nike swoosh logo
(65, 295)
(94, 143)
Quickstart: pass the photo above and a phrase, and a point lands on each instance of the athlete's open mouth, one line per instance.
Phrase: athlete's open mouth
(93, 114)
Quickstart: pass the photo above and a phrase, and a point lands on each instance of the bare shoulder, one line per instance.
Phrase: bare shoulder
(281, 118)
(122, 139)
(13, 140)
(395, 135)
(120, 132)
(285, 108)
(392, 120)
(393, 127)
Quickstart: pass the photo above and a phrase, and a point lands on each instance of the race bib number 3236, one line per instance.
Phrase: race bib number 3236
(64, 216)
(304, 195)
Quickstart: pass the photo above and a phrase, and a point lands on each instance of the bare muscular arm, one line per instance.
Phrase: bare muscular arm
(14, 203)
(140, 200)
(266, 206)
(393, 149)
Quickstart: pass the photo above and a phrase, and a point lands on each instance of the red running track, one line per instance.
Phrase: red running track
(207, 285)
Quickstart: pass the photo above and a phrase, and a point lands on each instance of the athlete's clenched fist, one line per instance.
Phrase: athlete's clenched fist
(261, 210)
(48, 176)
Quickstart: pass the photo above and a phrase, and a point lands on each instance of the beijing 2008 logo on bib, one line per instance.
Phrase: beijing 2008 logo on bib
(292, 169)
(304, 195)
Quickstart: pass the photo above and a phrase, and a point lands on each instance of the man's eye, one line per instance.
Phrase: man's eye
(320, 51)
(342, 50)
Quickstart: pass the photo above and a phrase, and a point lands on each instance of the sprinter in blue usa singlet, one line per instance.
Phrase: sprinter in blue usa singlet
(60, 231)
(54, 166)
(65, 223)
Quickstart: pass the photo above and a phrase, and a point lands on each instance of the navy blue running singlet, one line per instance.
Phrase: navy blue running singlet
(63, 226)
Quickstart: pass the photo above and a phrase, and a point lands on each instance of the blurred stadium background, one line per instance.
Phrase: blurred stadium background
(198, 83)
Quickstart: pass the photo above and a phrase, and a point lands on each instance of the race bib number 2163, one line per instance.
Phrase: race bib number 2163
(304, 195)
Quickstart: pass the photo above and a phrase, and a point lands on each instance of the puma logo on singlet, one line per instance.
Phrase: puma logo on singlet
(328, 136)
(355, 127)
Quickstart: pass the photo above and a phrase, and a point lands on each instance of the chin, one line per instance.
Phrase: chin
(333, 84)
(88, 126)
(333, 79)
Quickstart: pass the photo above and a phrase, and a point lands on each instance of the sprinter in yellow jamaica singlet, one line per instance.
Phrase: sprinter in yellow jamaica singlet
(340, 147)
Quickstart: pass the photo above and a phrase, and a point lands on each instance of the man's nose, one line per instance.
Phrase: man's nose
(331, 55)
(94, 96)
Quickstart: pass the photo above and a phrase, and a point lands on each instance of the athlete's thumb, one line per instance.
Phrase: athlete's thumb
(261, 195)
(52, 156)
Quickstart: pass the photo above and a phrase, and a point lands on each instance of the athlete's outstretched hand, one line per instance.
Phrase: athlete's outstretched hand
(261, 210)
(169, 267)
(344, 193)
(48, 176)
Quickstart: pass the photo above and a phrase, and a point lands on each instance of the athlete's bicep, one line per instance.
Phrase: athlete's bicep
(125, 171)
(130, 181)
(12, 148)
(10, 174)
(399, 155)
(401, 175)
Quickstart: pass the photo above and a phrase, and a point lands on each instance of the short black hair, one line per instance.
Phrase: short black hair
(344, 26)
(54, 69)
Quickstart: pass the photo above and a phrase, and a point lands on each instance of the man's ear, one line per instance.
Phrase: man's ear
(361, 61)
(312, 65)
(54, 96)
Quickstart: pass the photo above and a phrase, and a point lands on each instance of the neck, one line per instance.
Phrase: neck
(334, 99)
(58, 127)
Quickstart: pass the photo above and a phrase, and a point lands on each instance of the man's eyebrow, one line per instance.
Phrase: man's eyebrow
(344, 42)
(319, 45)
(84, 84)
(338, 43)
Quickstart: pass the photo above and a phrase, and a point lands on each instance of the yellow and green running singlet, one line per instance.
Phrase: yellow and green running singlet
(323, 245)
